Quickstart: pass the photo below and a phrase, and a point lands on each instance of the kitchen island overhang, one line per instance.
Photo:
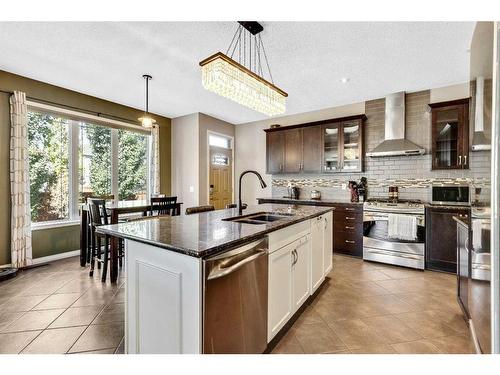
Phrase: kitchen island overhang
(165, 278)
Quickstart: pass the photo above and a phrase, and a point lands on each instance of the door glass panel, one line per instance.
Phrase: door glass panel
(351, 146)
(331, 147)
(447, 127)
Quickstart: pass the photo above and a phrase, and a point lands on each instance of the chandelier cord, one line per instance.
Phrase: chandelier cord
(258, 47)
(265, 58)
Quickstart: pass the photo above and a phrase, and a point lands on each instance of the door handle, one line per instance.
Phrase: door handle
(350, 209)
(220, 272)
(347, 227)
(295, 257)
(460, 160)
(349, 241)
(465, 159)
(350, 218)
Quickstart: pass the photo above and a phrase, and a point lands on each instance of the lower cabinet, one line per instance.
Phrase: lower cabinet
(297, 269)
(441, 237)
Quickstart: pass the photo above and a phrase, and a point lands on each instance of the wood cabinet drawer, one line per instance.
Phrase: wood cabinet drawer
(350, 227)
(348, 243)
(347, 218)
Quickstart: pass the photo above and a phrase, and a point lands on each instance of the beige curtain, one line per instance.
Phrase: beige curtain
(154, 181)
(21, 254)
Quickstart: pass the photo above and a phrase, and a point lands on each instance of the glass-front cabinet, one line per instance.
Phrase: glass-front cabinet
(450, 135)
(342, 146)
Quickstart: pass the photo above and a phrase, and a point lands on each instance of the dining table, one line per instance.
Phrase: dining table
(114, 209)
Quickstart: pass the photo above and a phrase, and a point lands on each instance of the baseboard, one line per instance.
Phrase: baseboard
(51, 258)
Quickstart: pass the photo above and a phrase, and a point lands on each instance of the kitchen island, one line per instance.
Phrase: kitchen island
(185, 279)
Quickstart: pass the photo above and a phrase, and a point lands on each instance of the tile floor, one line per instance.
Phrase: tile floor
(373, 308)
(363, 308)
(59, 309)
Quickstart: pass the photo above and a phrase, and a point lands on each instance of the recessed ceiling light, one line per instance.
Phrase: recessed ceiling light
(345, 80)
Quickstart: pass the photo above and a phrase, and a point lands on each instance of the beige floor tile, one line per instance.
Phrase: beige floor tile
(13, 343)
(57, 301)
(114, 312)
(76, 286)
(34, 320)
(97, 337)
(460, 344)
(392, 329)
(416, 347)
(375, 349)
(356, 334)
(21, 303)
(101, 351)
(317, 338)
(77, 316)
(391, 303)
(54, 341)
(401, 273)
(288, 345)
(94, 297)
(426, 325)
(8, 317)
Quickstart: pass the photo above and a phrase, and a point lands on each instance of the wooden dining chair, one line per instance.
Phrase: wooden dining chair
(162, 206)
(87, 198)
(199, 209)
(98, 217)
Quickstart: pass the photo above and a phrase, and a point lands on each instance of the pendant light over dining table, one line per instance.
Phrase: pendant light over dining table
(243, 80)
(147, 121)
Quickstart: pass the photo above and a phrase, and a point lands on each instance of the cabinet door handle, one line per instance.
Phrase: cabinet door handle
(326, 223)
(295, 257)
(350, 209)
(350, 218)
(349, 241)
(347, 227)
(281, 167)
(465, 159)
(460, 160)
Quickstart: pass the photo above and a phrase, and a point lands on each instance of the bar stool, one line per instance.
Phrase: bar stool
(163, 206)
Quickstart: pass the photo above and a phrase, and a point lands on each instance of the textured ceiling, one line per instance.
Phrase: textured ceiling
(308, 60)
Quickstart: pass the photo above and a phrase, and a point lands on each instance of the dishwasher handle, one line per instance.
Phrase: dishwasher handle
(219, 271)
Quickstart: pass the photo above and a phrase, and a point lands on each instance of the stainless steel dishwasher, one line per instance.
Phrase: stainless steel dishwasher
(235, 300)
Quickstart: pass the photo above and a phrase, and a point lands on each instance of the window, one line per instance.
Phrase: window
(219, 141)
(132, 165)
(48, 138)
(71, 160)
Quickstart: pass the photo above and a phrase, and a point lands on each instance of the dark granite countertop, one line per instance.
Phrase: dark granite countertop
(462, 220)
(205, 234)
(311, 202)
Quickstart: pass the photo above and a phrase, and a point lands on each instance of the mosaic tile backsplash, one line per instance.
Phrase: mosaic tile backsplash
(412, 174)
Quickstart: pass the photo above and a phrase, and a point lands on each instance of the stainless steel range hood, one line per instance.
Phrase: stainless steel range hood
(395, 143)
(479, 140)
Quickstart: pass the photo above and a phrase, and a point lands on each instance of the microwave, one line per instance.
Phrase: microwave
(450, 195)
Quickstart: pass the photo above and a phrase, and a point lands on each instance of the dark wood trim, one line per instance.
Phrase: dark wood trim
(449, 103)
(322, 122)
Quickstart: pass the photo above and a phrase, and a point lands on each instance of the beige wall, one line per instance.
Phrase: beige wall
(453, 92)
(209, 124)
(190, 157)
(53, 241)
(185, 159)
(251, 150)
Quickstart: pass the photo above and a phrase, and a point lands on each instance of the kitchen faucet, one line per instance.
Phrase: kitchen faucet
(262, 184)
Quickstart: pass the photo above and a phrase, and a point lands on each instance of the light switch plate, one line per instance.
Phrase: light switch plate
(344, 186)
(191, 189)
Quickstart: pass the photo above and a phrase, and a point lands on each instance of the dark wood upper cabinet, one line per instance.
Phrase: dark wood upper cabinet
(312, 150)
(320, 147)
(441, 237)
(293, 150)
(450, 134)
(275, 143)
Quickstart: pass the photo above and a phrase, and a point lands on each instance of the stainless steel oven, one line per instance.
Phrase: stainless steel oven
(379, 247)
(450, 194)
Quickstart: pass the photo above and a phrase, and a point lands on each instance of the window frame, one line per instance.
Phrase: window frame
(75, 118)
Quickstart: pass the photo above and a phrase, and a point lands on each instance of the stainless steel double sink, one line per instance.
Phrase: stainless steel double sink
(259, 218)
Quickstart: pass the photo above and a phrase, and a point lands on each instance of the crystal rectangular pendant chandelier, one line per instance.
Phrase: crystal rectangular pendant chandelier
(230, 79)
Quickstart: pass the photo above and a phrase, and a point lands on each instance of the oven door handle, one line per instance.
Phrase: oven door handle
(401, 255)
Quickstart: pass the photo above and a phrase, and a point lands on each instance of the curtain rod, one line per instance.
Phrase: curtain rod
(98, 114)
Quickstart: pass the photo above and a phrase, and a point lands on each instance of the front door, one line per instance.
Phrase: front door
(220, 177)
